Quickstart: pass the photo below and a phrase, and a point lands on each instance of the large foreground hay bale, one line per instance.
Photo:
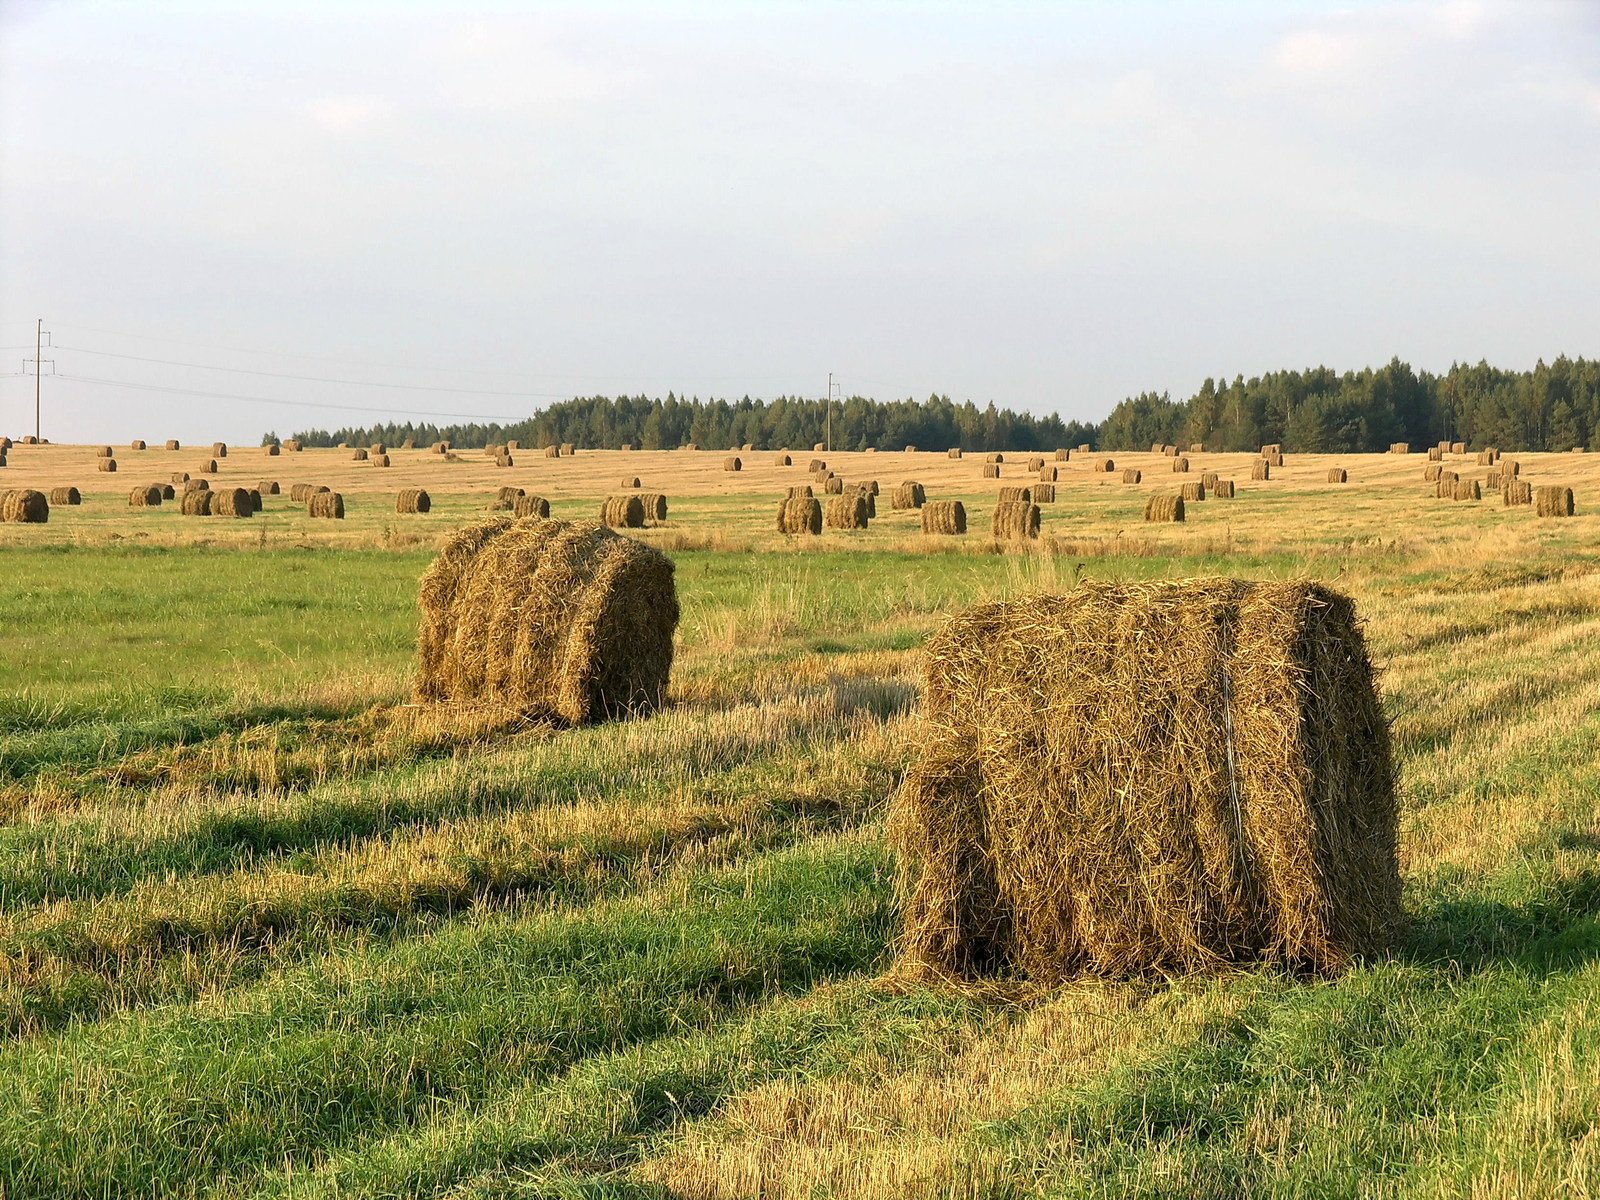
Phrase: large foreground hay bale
(846, 512)
(553, 619)
(326, 505)
(1222, 490)
(24, 506)
(148, 496)
(622, 512)
(799, 514)
(1164, 507)
(1261, 469)
(944, 516)
(106, 464)
(1015, 521)
(301, 492)
(1516, 491)
(232, 502)
(196, 503)
(909, 494)
(655, 507)
(65, 496)
(1044, 493)
(1338, 475)
(530, 508)
(1192, 491)
(1201, 778)
(1132, 475)
(1553, 501)
(412, 500)
(1015, 495)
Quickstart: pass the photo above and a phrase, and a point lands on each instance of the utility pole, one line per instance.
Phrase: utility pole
(827, 438)
(38, 359)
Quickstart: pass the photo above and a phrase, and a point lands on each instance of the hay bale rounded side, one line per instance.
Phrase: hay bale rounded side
(944, 516)
(148, 496)
(219, 450)
(994, 458)
(1180, 465)
(1553, 501)
(783, 460)
(232, 502)
(1244, 717)
(1035, 463)
(798, 490)
(138, 444)
(1338, 475)
(24, 506)
(1104, 467)
(846, 512)
(107, 464)
(168, 492)
(991, 470)
(382, 460)
(1015, 521)
(1044, 493)
(1466, 489)
(1048, 474)
(908, 494)
(1132, 475)
(268, 487)
(325, 505)
(629, 482)
(622, 512)
(1261, 469)
(953, 452)
(272, 450)
(1223, 490)
(299, 493)
(359, 454)
(553, 619)
(1063, 455)
(800, 515)
(816, 466)
(1192, 492)
(1432, 472)
(655, 507)
(174, 444)
(733, 463)
(412, 500)
(530, 508)
(1435, 453)
(209, 467)
(1210, 479)
(1515, 492)
(833, 486)
(1015, 495)
(67, 496)
(1164, 508)
(196, 503)
(103, 452)
(195, 485)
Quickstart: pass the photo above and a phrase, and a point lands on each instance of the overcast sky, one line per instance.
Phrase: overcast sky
(1050, 206)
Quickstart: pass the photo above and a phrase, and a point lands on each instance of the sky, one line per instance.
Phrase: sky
(236, 218)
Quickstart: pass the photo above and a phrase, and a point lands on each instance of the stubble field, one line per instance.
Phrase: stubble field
(268, 930)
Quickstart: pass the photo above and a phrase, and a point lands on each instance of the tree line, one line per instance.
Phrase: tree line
(1318, 410)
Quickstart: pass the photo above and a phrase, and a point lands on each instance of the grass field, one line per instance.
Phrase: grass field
(267, 930)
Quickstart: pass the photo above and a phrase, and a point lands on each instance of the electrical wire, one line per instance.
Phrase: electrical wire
(176, 391)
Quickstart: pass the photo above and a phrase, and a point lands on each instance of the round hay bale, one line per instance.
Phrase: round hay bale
(1132, 475)
(622, 512)
(103, 452)
(566, 450)
(783, 460)
(1035, 463)
(846, 512)
(1180, 465)
(1223, 490)
(272, 449)
(944, 516)
(1458, 447)
(747, 447)
(382, 460)
(1157, 448)
(819, 448)
(870, 487)
(359, 454)
(1399, 447)
(953, 452)
(1063, 455)
(509, 494)
(1048, 474)
(180, 477)
(500, 460)
(799, 514)
(65, 496)
(816, 465)
(232, 502)
(530, 508)
(1467, 489)
(629, 481)
(412, 500)
(24, 506)
(172, 444)
(195, 485)
(219, 450)
(1044, 493)
(799, 490)
(1015, 495)
(1104, 467)
(1170, 451)
(268, 487)
(409, 444)
(557, 620)
(1552, 500)
(690, 446)
(512, 445)
(1243, 716)
(871, 499)
(991, 470)
(1084, 448)
(196, 503)
(1164, 508)
(1432, 472)
(655, 507)
(909, 494)
(1493, 481)
(1192, 492)
(1488, 456)
(833, 486)
(732, 463)
(299, 493)
(1435, 454)
(148, 496)
(994, 458)
(377, 448)
(627, 447)
(326, 505)
(1197, 448)
(291, 445)
(106, 464)
(209, 467)
(1015, 520)
(137, 444)
(1338, 475)
(1510, 468)
(1271, 449)
(168, 492)
(438, 448)
(1515, 492)
(1210, 478)
(1261, 469)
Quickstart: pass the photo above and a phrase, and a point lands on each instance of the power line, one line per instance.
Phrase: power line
(405, 412)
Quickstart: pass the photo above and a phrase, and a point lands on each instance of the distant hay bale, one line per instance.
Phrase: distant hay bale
(1273, 460)
(870, 487)
(783, 460)
(819, 447)
(1492, 481)
(1197, 448)
(552, 451)
(272, 450)
(747, 447)
(1435, 454)
(196, 503)
(299, 493)
(106, 464)
(1209, 478)
(359, 454)
(409, 444)
(1084, 448)
(137, 444)
(1399, 447)
(991, 470)
(798, 490)
(1338, 475)
(1432, 472)
(209, 467)
(1048, 474)
(232, 502)
(1580, 450)
(512, 445)
(655, 507)
(168, 492)
(953, 452)
(799, 514)
(816, 465)
(65, 496)
(1044, 493)
(567, 450)
(691, 446)
(1271, 448)
(732, 463)
(255, 499)
(195, 485)
(994, 458)
(833, 486)
(1105, 466)
(382, 460)
(1157, 448)
(1063, 455)
(412, 500)
(627, 447)
(558, 620)
(530, 508)
(1553, 501)
(1488, 456)
(1132, 475)
(1261, 469)
(860, 489)
(219, 450)
(1015, 495)
(1467, 489)
(1510, 468)
(909, 449)
(291, 445)
(629, 482)
(172, 444)
(269, 487)
(846, 512)
(622, 512)
(1201, 779)
(1015, 521)
(1170, 451)
(1516, 491)
(148, 496)
(326, 505)
(24, 506)
(1458, 447)
(1180, 465)
(944, 516)
(1166, 507)
(1222, 490)
(438, 448)
(1035, 463)
(1192, 491)
(103, 452)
